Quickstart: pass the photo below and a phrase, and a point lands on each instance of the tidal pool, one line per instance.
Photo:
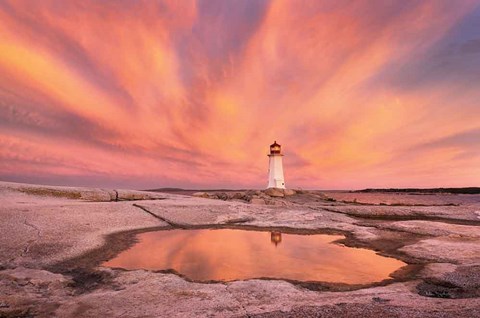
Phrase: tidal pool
(227, 254)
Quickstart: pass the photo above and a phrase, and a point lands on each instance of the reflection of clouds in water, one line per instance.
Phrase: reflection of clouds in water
(235, 254)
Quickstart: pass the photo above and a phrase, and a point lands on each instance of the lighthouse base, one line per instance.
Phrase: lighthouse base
(277, 184)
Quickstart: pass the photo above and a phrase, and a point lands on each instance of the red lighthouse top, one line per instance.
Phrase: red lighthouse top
(275, 148)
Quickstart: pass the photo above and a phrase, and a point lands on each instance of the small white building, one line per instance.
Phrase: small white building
(275, 168)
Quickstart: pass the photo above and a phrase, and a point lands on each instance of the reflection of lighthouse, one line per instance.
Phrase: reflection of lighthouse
(276, 238)
(275, 168)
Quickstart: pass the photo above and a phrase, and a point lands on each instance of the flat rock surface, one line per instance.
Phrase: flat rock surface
(54, 239)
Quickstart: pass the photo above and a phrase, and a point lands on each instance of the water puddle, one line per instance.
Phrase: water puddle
(227, 254)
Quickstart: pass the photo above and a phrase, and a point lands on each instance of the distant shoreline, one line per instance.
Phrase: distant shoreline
(465, 190)
(468, 190)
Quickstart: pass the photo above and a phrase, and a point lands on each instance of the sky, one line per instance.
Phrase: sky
(149, 94)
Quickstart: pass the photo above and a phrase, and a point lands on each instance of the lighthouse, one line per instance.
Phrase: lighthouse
(275, 167)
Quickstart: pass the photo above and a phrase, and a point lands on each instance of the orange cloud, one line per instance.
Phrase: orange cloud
(191, 93)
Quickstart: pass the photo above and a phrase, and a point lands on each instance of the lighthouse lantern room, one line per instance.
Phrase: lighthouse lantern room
(275, 169)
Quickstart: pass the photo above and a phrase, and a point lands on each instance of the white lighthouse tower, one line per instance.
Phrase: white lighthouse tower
(275, 168)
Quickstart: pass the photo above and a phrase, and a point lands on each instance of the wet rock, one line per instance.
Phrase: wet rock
(288, 192)
(275, 192)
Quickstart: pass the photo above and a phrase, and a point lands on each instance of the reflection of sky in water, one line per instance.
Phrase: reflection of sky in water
(226, 254)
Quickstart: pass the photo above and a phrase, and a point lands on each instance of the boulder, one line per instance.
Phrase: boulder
(222, 196)
(288, 192)
(131, 195)
(275, 192)
(238, 195)
(201, 195)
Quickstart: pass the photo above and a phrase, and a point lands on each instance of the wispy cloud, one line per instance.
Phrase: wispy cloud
(191, 93)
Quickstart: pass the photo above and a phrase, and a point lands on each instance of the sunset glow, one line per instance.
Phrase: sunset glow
(226, 255)
(190, 94)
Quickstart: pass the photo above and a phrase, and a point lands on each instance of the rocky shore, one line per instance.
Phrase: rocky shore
(53, 240)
